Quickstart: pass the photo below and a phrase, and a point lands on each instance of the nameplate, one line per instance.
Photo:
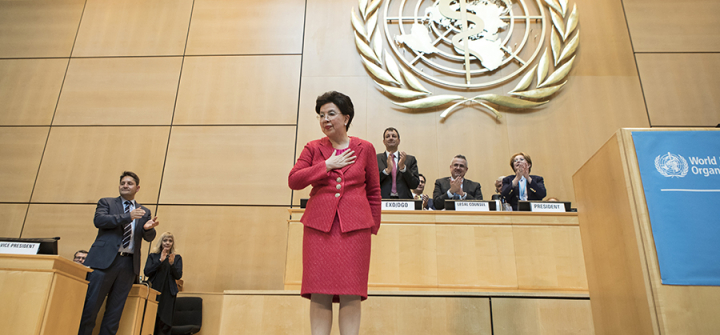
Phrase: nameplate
(471, 206)
(19, 248)
(398, 205)
(557, 207)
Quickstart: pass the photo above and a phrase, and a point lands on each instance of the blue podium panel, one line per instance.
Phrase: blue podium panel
(680, 174)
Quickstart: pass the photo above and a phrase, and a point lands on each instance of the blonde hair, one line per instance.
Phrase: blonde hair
(157, 248)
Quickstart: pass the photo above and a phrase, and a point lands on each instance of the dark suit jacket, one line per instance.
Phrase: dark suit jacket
(353, 192)
(406, 181)
(442, 186)
(110, 217)
(535, 190)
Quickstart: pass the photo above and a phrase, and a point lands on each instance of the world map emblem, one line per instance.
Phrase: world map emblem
(671, 165)
(469, 46)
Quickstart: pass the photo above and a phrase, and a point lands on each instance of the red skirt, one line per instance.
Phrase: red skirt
(335, 263)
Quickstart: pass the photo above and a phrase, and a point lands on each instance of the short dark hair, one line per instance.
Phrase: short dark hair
(527, 159)
(463, 157)
(131, 174)
(79, 252)
(421, 175)
(340, 100)
(390, 129)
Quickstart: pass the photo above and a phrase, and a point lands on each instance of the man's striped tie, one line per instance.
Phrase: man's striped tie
(127, 229)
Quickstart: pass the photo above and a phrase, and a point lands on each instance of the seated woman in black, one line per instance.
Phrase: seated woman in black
(522, 185)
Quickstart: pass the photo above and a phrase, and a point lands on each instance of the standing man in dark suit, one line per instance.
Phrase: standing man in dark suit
(398, 170)
(122, 223)
(456, 186)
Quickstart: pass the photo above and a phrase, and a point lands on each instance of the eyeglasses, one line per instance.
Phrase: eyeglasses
(329, 115)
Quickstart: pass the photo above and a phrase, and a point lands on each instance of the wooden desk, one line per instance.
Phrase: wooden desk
(465, 251)
(41, 294)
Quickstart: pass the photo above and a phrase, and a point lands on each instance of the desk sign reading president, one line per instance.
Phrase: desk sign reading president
(469, 45)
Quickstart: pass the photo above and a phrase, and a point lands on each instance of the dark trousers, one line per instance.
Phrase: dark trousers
(161, 328)
(114, 282)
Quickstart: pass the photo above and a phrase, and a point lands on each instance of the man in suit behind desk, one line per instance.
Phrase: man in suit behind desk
(456, 186)
(122, 223)
(398, 170)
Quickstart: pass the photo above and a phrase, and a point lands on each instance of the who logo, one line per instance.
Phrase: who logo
(671, 165)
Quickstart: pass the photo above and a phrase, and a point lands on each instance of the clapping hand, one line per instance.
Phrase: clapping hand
(401, 160)
(339, 161)
(150, 224)
(456, 186)
(137, 213)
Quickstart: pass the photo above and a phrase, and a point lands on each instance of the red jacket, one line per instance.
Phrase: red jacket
(357, 198)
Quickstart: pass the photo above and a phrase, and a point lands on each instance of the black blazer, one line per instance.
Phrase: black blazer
(535, 190)
(110, 217)
(442, 186)
(406, 181)
(152, 265)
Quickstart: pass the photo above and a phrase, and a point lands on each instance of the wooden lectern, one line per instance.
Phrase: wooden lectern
(138, 317)
(626, 292)
(41, 294)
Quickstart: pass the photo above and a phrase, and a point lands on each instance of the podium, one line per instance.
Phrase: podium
(626, 291)
(138, 317)
(41, 294)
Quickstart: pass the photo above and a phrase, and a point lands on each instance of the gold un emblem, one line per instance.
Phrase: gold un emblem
(470, 45)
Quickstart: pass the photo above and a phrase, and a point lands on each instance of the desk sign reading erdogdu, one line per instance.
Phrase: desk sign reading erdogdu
(398, 205)
(558, 207)
(19, 248)
(473, 206)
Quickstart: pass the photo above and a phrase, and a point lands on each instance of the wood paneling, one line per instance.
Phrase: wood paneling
(133, 28)
(541, 316)
(212, 311)
(681, 89)
(467, 252)
(119, 91)
(30, 287)
(239, 90)
(613, 256)
(21, 150)
(40, 28)
(84, 164)
(287, 313)
(228, 165)
(12, 217)
(246, 27)
(245, 248)
(72, 223)
(670, 26)
(29, 90)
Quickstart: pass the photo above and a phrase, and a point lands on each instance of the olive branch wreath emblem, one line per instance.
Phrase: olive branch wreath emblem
(564, 41)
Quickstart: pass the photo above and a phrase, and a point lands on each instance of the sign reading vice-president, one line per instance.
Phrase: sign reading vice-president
(680, 173)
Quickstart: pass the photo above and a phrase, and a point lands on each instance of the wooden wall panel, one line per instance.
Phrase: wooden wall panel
(29, 90)
(670, 26)
(119, 91)
(228, 247)
(84, 164)
(12, 217)
(212, 311)
(21, 149)
(246, 27)
(681, 89)
(40, 28)
(33, 288)
(239, 90)
(72, 223)
(133, 28)
(541, 316)
(228, 165)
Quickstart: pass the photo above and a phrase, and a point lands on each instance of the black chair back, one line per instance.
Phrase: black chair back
(187, 318)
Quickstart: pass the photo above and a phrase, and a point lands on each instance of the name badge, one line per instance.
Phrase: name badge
(547, 207)
(398, 205)
(473, 206)
(19, 248)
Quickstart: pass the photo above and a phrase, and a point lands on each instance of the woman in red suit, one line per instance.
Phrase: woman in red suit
(341, 214)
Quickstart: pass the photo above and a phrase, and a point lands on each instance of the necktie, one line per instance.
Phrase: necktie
(522, 184)
(127, 229)
(393, 190)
